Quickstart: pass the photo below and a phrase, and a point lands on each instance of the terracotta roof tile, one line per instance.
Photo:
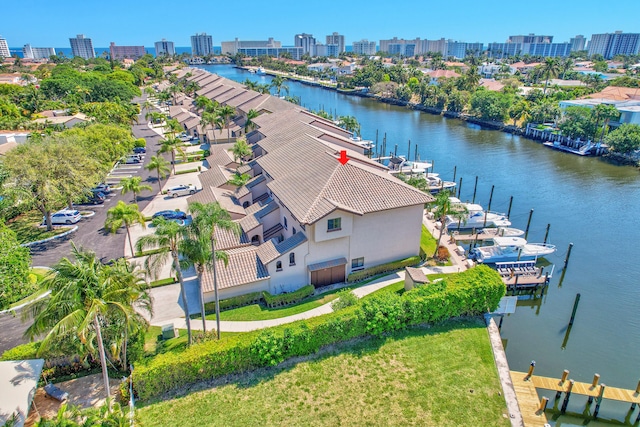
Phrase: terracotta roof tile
(243, 267)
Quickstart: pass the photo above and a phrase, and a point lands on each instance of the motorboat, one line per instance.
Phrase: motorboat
(436, 184)
(260, 71)
(506, 249)
(399, 165)
(475, 217)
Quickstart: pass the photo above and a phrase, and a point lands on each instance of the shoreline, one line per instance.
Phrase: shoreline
(611, 158)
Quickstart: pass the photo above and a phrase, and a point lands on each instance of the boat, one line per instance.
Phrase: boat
(476, 217)
(506, 249)
(366, 144)
(260, 71)
(399, 165)
(436, 184)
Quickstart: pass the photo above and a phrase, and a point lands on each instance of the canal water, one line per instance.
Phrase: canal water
(588, 202)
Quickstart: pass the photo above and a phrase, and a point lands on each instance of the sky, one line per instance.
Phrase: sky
(50, 24)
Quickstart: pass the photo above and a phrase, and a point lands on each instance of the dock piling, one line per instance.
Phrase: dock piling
(565, 374)
(409, 151)
(460, 187)
(510, 204)
(475, 188)
(455, 169)
(415, 153)
(566, 260)
(395, 151)
(546, 234)
(532, 366)
(599, 401)
(573, 316)
(543, 404)
(563, 409)
(489, 206)
(526, 232)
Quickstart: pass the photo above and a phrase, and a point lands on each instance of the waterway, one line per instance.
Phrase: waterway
(587, 202)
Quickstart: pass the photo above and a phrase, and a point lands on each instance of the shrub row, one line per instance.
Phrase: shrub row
(234, 302)
(188, 171)
(163, 282)
(289, 298)
(472, 292)
(382, 268)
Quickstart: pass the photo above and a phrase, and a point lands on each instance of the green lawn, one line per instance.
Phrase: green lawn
(427, 242)
(26, 227)
(434, 376)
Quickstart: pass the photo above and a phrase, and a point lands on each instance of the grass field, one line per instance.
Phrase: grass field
(437, 376)
(26, 227)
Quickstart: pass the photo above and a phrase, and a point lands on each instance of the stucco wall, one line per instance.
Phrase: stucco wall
(262, 285)
(291, 277)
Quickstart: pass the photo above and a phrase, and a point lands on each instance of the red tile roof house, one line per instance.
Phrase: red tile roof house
(305, 217)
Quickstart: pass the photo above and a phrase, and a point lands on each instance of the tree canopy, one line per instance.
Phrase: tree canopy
(625, 139)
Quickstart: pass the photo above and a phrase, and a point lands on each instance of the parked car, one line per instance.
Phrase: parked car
(65, 216)
(170, 215)
(181, 190)
(139, 150)
(132, 160)
(102, 188)
(96, 198)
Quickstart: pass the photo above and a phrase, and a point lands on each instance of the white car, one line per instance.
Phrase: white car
(181, 190)
(65, 216)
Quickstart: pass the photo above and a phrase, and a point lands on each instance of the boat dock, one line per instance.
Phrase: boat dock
(532, 408)
(484, 234)
(522, 275)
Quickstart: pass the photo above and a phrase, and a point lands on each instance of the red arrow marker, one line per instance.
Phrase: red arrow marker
(343, 157)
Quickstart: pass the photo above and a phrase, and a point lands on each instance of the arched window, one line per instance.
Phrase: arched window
(292, 259)
(294, 230)
(279, 266)
(245, 204)
(255, 240)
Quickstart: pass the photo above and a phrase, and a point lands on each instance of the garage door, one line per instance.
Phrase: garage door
(327, 276)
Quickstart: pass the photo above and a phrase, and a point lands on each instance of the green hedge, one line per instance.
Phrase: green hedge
(188, 171)
(22, 352)
(289, 298)
(472, 292)
(163, 282)
(382, 268)
(239, 301)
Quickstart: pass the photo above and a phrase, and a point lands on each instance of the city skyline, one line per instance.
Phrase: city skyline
(355, 20)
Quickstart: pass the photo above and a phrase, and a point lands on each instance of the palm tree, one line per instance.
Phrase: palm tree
(123, 214)
(227, 112)
(203, 103)
(147, 105)
(350, 123)
(196, 252)
(240, 149)
(214, 120)
(606, 112)
(263, 88)
(567, 65)
(550, 69)
(209, 217)
(166, 237)
(250, 85)
(278, 83)
(172, 145)
(239, 179)
(172, 127)
(161, 166)
(249, 125)
(87, 295)
(134, 185)
(443, 207)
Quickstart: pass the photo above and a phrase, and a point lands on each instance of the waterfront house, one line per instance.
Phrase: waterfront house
(625, 99)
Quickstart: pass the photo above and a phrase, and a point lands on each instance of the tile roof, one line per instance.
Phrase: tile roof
(219, 155)
(243, 267)
(417, 275)
(269, 251)
(228, 201)
(255, 181)
(255, 214)
(327, 264)
(244, 169)
(215, 176)
(617, 93)
(227, 239)
(242, 191)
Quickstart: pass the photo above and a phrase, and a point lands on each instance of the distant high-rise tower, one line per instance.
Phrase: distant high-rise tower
(307, 42)
(364, 47)
(37, 52)
(201, 45)
(577, 43)
(335, 44)
(618, 43)
(531, 38)
(82, 47)
(165, 47)
(4, 48)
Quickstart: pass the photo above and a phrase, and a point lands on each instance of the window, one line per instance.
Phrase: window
(334, 224)
(357, 264)
(279, 266)
(285, 223)
(294, 230)
(292, 259)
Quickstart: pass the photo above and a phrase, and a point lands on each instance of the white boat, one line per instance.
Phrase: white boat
(401, 165)
(364, 143)
(436, 184)
(507, 249)
(476, 217)
(260, 71)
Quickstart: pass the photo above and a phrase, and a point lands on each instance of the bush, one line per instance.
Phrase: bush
(234, 302)
(382, 268)
(289, 298)
(140, 143)
(346, 298)
(443, 254)
(472, 292)
(21, 352)
(188, 171)
(163, 282)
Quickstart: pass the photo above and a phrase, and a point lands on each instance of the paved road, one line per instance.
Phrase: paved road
(90, 234)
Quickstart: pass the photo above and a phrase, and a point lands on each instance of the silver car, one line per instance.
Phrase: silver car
(181, 190)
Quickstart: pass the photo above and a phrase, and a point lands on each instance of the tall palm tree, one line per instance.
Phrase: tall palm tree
(240, 149)
(249, 125)
(147, 105)
(166, 237)
(171, 145)
(134, 185)
(172, 127)
(208, 217)
(196, 252)
(250, 85)
(161, 167)
(263, 88)
(203, 103)
(443, 207)
(278, 84)
(123, 214)
(350, 123)
(550, 69)
(214, 120)
(87, 295)
(227, 112)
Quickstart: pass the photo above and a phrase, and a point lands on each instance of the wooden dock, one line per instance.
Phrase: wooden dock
(520, 282)
(530, 404)
(486, 234)
(528, 401)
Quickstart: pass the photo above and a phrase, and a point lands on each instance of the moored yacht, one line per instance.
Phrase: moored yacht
(507, 249)
(475, 217)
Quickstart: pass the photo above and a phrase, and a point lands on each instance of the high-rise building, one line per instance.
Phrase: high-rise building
(37, 52)
(235, 46)
(462, 49)
(402, 47)
(201, 45)
(577, 43)
(4, 48)
(165, 47)
(612, 44)
(335, 44)
(553, 50)
(364, 47)
(82, 47)
(125, 52)
(531, 38)
(307, 42)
